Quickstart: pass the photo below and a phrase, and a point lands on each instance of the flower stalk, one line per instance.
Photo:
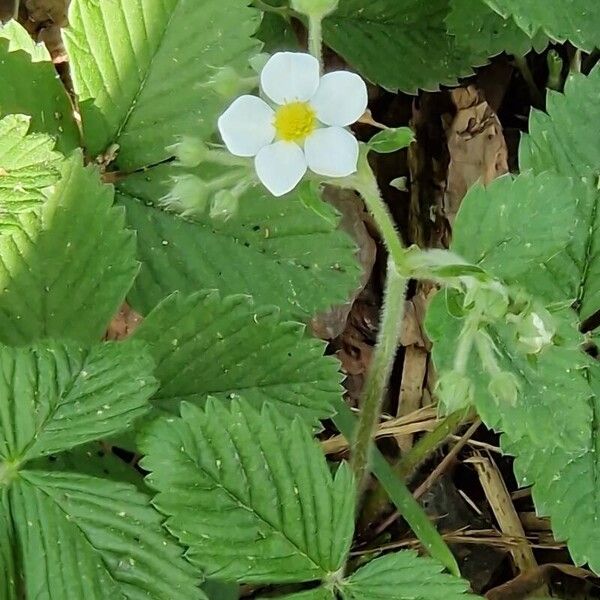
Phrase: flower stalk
(379, 372)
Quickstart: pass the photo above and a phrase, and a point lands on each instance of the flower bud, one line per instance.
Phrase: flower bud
(535, 331)
(188, 196)
(314, 8)
(190, 151)
(504, 387)
(454, 391)
(227, 82)
(491, 300)
(224, 205)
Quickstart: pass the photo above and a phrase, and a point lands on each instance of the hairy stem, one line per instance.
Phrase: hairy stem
(379, 371)
(315, 38)
(17, 6)
(365, 184)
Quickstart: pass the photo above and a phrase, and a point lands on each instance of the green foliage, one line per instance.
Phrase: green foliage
(250, 493)
(485, 232)
(562, 141)
(485, 32)
(391, 140)
(56, 396)
(42, 258)
(314, 594)
(575, 20)
(30, 87)
(28, 165)
(552, 429)
(399, 45)
(141, 71)
(205, 345)
(67, 395)
(404, 576)
(275, 249)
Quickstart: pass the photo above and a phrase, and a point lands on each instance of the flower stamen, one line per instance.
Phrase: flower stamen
(295, 121)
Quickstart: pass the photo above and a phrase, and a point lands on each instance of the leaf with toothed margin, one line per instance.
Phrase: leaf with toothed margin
(577, 21)
(31, 86)
(65, 267)
(399, 45)
(250, 493)
(205, 345)
(142, 70)
(29, 166)
(562, 141)
(277, 250)
(404, 576)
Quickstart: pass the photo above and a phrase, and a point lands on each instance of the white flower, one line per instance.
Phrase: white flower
(306, 129)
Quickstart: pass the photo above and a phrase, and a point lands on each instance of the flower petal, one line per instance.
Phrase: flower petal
(341, 98)
(290, 76)
(332, 151)
(280, 167)
(247, 126)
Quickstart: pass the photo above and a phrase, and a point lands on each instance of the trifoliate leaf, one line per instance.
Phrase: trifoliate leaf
(110, 542)
(66, 267)
(250, 493)
(57, 396)
(275, 249)
(485, 32)
(205, 345)
(31, 86)
(391, 140)
(563, 141)
(28, 165)
(404, 576)
(152, 86)
(575, 20)
(399, 45)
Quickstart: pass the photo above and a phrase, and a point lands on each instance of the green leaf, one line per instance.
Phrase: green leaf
(404, 576)
(65, 269)
(8, 566)
(28, 165)
(274, 249)
(485, 232)
(57, 396)
(391, 140)
(575, 20)
(141, 70)
(545, 381)
(314, 594)
(94, 459)
(562, 141)
(277, 34)
(250, 493)
(30, 86)
(399, 45)
(485, 32)
(205, 345)
(111, 541)
(219, 590)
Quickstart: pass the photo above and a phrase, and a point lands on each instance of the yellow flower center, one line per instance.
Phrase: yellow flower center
(295, 121)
